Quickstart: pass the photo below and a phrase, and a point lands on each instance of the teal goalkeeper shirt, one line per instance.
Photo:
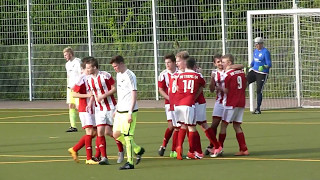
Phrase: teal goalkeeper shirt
(261, 58)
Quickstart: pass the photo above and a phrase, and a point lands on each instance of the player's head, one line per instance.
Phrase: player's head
(170, 61)
(191, 63)
(258, 42)
(68, 53)
(83, 66)
(92, 65)
(227, 60)
(181, 58)
(117, 63)
(217, 61)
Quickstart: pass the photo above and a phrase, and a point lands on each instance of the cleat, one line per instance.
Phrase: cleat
(74, 155)
(104, 161)
(127, 166)
(120, 157)
(190, 155)
(96, 159)
(198, 155)
(161, 150)
(173, 154)
(179, 152)
(91, 162)
(242, 153)
(139, 155)
(217, 152)
(256, 111)
(72, 129)
(208, 150)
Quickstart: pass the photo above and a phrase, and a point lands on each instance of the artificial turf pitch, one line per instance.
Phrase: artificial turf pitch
(283, 144)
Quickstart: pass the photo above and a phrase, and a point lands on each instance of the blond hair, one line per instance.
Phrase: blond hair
(69, 50)
(183, 55)
(229, 57)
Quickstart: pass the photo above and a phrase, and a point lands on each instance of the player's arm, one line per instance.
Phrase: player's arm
(133, 103)
(268, 60)
(109, 93)
(212, 85)
(198, 92)
(78, 95)
(163, 93)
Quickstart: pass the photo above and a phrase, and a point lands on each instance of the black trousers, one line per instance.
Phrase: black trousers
(260, 80)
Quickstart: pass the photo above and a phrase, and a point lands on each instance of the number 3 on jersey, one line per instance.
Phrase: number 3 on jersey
(239, 82)
(188, 84)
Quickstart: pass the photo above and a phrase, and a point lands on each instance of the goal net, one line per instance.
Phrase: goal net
(293, 38)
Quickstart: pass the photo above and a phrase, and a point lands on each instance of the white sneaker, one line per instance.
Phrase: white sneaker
(120, 157)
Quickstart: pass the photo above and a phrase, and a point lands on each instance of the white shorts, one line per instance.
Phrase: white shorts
(171, 116)
(233, 115)
(185, 115)
(200, 113)
(104, 117)
(87, 120)
(218, 110)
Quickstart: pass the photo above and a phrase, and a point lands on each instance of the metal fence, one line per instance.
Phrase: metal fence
(34, 33)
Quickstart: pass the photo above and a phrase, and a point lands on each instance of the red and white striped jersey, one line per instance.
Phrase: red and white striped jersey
(82, 87)
(164, 80)
(219, 80)
(99, 85)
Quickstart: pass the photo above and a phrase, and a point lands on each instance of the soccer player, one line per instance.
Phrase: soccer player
(261, 65)
(103, 87)
(173, 126)
(81, 91)
(234, 103)
(127, 110)
(73, 73)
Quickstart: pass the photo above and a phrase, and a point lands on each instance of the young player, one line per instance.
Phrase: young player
(103, 87)
(81, 91)
(73, 73)
(173, 126)
(234, 103)
(127, 110)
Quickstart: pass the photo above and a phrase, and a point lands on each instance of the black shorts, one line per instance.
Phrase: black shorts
(261, 79)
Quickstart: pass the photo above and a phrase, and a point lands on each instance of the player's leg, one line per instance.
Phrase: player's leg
(176, 127)
(72, 111)
(243, 150)
(180, 112)
(261, 80)
(251, 77)
(168, 132)
(101, 121)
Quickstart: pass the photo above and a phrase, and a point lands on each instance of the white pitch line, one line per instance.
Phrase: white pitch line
(42, 115)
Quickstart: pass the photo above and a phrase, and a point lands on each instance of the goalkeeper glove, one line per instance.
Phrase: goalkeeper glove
(261, 68)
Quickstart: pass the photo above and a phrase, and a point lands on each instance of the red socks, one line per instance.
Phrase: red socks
(241, 141)
(222, 137)
(80, 144)
(181, 136)
(212, 138)
(120, 146)
(167, 136)
(98, 154)
(88, 143)
(174, 140)
(102, 146)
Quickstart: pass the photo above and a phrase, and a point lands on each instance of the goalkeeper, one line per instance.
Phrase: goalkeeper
(259, 69)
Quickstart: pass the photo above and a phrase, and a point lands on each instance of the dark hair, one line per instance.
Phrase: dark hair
(229, 57)
(171, 57)
(91, 60)
(191, 63)
(117, 59)
(216, 56)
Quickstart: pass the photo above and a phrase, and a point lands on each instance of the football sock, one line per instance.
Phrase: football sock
(102, 146)
(88, 143)
(80, 144)
(212, 138)
(181, 136)
(73, 117)
(97, 148)
(119, 145)
(174, 140)
(167, 136)
(222, 137)
(241, 141)
(197, 141)
(259, 100)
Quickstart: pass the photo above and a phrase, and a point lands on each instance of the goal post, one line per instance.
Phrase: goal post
(293, 38)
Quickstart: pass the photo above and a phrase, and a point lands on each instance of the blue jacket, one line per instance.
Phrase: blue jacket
(261, 58)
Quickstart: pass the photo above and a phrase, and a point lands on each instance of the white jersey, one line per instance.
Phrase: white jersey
(219, 80)
(126, 83)
(99, 85)
(73, 71)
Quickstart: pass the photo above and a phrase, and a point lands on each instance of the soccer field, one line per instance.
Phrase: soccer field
(284, 144)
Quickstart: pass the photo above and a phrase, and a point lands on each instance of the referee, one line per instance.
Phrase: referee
(259, 69)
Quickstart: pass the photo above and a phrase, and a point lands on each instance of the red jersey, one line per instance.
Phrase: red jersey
(100, 85)
(236, 83)
(81, 87)
(219, 80)
(188, 84)
(164, 81)
(172, 89)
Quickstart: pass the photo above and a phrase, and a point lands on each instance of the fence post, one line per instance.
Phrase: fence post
(296, 25)
(89, 20)
(155, 45)
(223, 26)
(29, 50)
